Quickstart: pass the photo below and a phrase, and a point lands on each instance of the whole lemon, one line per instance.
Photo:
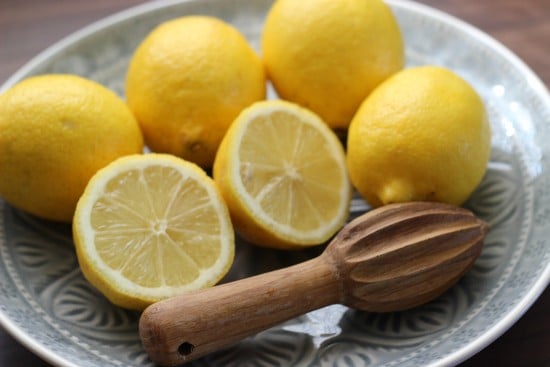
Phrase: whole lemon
(56, 131)
(423, 134)
(188, 80)
(329, 55)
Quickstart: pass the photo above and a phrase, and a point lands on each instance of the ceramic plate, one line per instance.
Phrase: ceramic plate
(48, 306)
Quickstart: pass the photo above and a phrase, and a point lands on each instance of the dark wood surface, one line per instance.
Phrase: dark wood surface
(29, 26)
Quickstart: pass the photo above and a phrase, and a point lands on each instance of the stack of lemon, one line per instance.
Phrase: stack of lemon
(150, 226)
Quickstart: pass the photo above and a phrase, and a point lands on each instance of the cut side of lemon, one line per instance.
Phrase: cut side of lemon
(282, 173)
(152, 226)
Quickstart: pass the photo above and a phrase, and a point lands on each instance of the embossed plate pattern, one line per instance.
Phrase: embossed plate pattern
(49, 307)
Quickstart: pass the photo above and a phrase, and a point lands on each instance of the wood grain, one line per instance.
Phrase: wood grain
(29, 26)
(392, 258)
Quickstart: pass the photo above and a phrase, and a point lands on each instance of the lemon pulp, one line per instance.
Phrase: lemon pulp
(282, 172)
(150, 227)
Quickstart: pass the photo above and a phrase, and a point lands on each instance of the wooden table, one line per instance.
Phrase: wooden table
(29, 26)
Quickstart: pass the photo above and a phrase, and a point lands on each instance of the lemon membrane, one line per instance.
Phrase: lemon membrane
(282, 172)
(152, 226)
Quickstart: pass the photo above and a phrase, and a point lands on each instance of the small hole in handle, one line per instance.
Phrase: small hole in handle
(185, 348)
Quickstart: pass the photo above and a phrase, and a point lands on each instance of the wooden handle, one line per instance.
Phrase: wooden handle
(183, 328)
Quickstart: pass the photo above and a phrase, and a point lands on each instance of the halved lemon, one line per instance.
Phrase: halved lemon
(282, 173)
(152, 226)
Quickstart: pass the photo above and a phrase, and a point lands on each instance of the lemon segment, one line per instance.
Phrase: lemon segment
(282, 173)
(152, 226)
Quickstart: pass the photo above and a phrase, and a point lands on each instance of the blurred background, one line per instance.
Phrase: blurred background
(29, 26)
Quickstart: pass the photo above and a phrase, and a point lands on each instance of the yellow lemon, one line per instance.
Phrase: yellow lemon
(329, 55)
(152, 226)
(56, 131)
(188, 80)
(282, 173)
(421, 135)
